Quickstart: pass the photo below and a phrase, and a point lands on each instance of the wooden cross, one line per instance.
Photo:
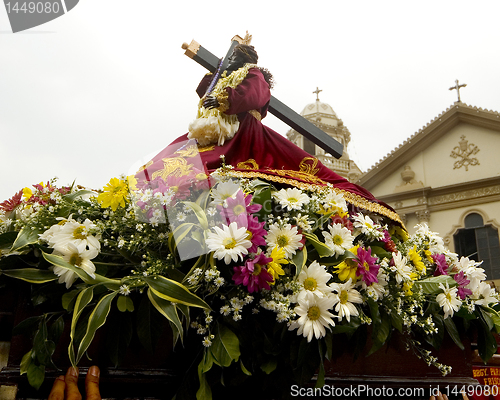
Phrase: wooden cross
(280, 110)
(317, 93)
(457, 87)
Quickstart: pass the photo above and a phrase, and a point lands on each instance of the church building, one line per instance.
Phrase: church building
(446, 175)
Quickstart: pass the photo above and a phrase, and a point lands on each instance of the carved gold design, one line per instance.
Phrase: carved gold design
(256, 114)
(351, 198)
(464, 151)
(307, 172)
(206, 148)
(173, 167)
(191, 151)
(248, 164)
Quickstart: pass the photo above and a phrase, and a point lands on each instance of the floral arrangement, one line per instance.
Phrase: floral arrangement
(266, 278)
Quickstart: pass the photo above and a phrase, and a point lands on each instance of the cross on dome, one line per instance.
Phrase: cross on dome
(317, 93)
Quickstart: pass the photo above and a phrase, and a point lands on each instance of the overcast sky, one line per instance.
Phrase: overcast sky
(96, 92)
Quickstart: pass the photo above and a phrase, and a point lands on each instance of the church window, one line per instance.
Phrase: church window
(479, 242)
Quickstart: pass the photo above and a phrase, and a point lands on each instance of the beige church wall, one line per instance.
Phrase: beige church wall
(439, 165)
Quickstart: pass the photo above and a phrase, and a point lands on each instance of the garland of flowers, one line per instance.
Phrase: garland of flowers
(231, 255)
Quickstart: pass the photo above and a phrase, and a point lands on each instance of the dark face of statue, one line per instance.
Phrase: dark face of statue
(235, 61)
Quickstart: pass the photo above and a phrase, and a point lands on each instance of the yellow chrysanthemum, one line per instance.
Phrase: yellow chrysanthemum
(428, 255)
(347, 268)
(114, 194)
(132, 182)
(332, 210)
(274, 267)
(417, 260)
(408, 285)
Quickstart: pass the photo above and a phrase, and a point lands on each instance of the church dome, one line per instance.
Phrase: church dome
(322, 113)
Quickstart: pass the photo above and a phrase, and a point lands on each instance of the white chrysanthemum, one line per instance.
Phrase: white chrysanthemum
(448, 300)
(229, 243)
(333, 199)
(49, 233)
(377, 290)
(472, 271)
(345, 296)
(484, 294)
(314, 316)
(81, 259)
(292, 198)
(401, 267)
(224, 190)
(367, 226)
(75, 233)
(436, 243)
(285, 237)
(313, 281)
(339, 239)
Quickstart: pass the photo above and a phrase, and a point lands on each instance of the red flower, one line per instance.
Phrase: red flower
(9, 205)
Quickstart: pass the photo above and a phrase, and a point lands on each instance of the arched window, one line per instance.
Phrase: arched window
(479, 242)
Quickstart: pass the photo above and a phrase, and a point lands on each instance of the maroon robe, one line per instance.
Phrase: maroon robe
(257, 151)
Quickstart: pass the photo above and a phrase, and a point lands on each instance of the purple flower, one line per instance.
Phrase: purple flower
(256, 233)
(253, 274)
(462, 281)
(367, 266)
(441, 264)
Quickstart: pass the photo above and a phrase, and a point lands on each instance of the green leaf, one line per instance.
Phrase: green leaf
(83, 299)
(431, 285)
(31, 275)
(380, 252)
(174, 291)
(299, 260)
(167, 309)
(322, 249)
(42, 347)
(269, 366)
(36, 375)
(380, 333)
(58, 261)
(245, 371)
(200, 214)
(225, 347)
(486, 342)
(7, 239)
(149, 324)
(68, 299)
(125, 303)
(397, 320)
(75, 195)
(26, 237)
(27, 326)
(262, 196)
(451, 328)
(96, 320)
(25, 362)
(204, 392)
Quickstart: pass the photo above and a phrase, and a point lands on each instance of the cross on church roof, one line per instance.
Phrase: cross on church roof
(457, 86)
(317, 93)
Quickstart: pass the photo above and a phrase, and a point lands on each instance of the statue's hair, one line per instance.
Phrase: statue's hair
(248, 54)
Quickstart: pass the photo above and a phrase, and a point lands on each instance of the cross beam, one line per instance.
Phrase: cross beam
(280, 110)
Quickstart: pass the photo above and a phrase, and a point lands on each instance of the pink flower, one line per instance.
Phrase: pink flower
(462, 281)
(253, 274)
(13, 202)
(238, 208)
(256, 232)
(441, 265)
(367, 266)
